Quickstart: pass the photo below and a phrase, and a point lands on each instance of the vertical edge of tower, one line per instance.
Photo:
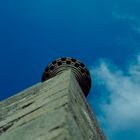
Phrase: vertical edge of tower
(52, 110)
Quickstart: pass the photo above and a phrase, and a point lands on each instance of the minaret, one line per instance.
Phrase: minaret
(54, 109)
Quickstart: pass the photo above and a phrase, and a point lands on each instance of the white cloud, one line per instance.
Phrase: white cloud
(126, 15)
(120, 107)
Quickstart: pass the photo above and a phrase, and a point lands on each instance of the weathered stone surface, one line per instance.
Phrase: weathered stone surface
(52, 110)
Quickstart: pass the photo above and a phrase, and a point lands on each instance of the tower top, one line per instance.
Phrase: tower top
(78, 69)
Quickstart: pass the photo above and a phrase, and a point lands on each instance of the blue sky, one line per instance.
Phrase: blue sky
(105, 35)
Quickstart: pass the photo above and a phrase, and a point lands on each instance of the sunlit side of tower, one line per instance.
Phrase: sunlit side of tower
(54, 109)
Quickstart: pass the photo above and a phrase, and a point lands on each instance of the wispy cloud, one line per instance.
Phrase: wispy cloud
(129, 15)
(119, 105)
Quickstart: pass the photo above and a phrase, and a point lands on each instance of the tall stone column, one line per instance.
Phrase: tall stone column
(55, 109)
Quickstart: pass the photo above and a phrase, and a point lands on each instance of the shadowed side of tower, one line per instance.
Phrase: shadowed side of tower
(53, 110)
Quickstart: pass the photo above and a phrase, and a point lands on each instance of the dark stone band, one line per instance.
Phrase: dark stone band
(79, 70)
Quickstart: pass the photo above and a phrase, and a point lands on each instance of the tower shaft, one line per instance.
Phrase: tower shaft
(53, 110)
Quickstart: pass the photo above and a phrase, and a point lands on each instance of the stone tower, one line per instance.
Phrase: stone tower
(55, 109)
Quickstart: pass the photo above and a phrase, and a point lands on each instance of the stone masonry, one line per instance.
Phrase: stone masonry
(53, 110)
